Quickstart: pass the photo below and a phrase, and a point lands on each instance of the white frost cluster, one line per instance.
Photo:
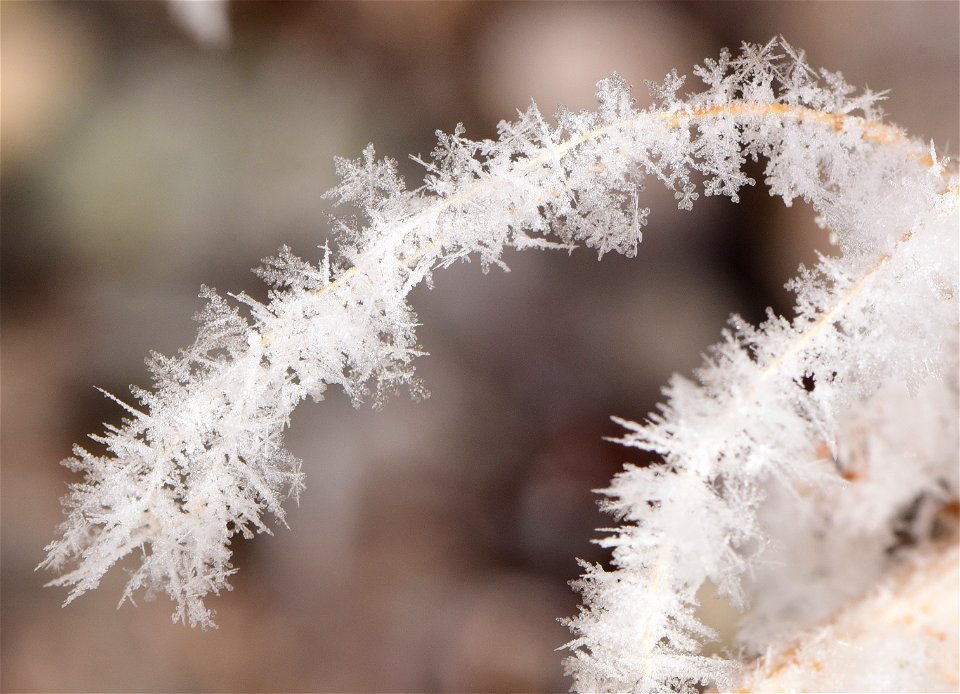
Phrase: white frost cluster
(807, 449)
(901, 636)
(806, 430)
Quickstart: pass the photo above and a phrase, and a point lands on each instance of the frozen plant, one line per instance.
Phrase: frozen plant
(803, 452)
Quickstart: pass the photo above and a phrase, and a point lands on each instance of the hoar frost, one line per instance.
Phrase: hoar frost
(811, 443)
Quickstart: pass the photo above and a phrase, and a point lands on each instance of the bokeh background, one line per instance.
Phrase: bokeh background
(143, 156)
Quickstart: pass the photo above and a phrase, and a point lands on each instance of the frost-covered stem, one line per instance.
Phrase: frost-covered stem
(872, 131)
(830, 316)
(205, 458)
(647, 639)
(773, 372)
(741, 435)
(901, 636)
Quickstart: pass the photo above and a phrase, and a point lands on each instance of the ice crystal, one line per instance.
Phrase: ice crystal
(800, 432)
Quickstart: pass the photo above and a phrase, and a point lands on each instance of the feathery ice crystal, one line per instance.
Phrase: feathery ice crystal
(828, 434)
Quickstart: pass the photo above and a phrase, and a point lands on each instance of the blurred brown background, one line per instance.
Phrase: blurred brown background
(432, 547)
